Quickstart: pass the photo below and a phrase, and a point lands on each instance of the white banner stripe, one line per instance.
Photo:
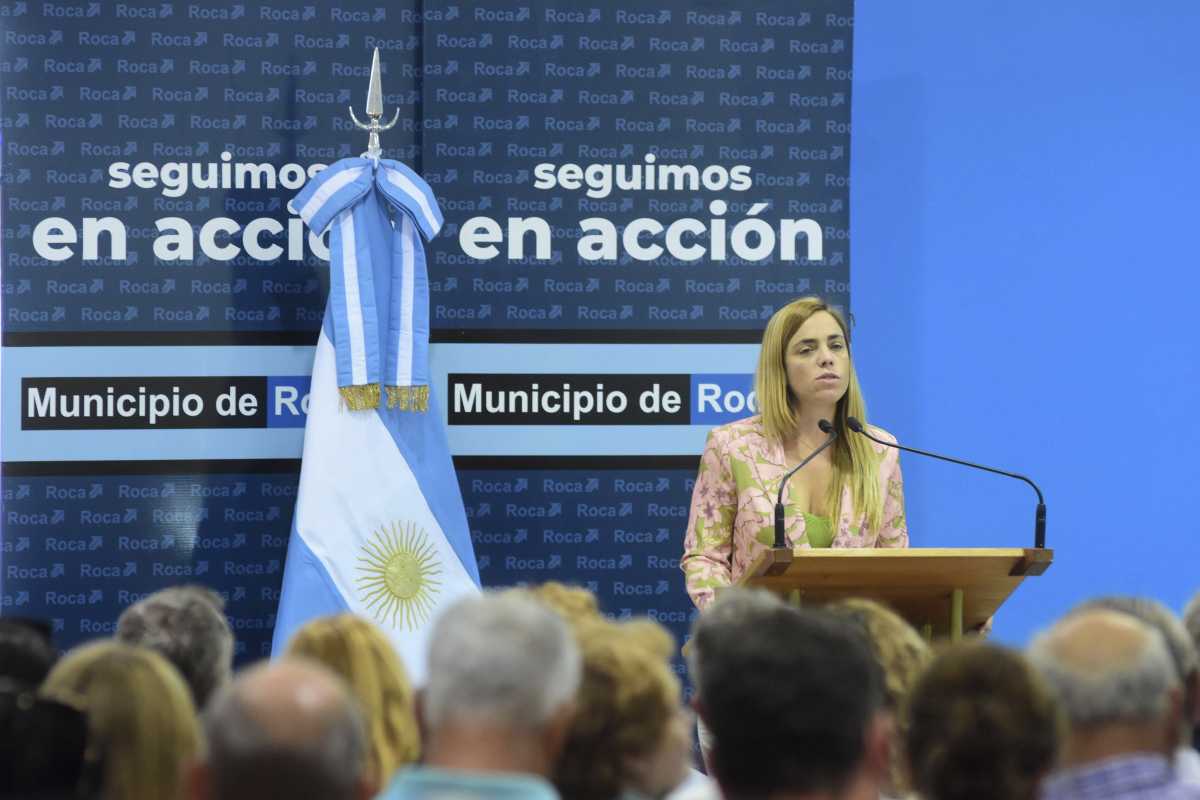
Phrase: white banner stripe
(353, 299)
(408, 267)
(408, 187)
(326, 191)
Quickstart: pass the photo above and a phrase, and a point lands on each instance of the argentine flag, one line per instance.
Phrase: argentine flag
(379, 528)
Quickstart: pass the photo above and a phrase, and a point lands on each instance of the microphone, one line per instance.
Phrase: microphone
(780, 539)
(1039, 521)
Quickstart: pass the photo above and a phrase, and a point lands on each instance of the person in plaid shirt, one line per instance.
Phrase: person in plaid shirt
(1124, 703)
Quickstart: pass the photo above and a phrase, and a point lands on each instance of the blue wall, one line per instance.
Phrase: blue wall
(1025, 279)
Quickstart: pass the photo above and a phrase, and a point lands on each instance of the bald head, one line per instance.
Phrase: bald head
(285, 728)
(293, 703)
(1106, 667)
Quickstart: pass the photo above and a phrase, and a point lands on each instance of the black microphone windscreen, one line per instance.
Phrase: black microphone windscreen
(824, 425)
(854, 424)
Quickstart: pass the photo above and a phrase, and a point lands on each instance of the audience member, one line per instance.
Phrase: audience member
(980, 725)
(500, 698)
(362, 656)
(1187, 668)
(26, 653)
(793, 698)
(285, 729)
(186, 625)
(631, 736)
(1191, 620)
(43, 746)
(42, 742)
(141, 721)
(1123, 700)
(901, 654)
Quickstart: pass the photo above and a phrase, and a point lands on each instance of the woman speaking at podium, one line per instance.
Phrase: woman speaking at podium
(851, 495)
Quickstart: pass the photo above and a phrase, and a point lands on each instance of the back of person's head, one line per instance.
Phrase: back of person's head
(902, 656)
(1107, 667)
(628, 731)
(573, 603)
(26, 652)
(43, 746)
(1191, 621)
(981, 724)
(187, 625)
(362, 656)
(500, 660)
(141, 721)
(791, 695)
(1156, 615)
(285, 729)
(1179, 643)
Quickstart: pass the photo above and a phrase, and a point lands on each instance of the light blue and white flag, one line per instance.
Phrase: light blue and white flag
(379, 528)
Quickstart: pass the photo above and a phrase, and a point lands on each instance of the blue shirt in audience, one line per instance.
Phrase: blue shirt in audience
(1131, 777)
(429, 783)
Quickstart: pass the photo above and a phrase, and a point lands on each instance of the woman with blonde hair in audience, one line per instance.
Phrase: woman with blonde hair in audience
(356, 650)
(142, 724)
(631, 737)
(902, 655)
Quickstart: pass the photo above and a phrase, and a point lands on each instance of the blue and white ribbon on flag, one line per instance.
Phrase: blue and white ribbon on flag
(379, 528)
(380, 321)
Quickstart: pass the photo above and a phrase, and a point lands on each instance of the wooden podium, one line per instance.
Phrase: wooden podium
(942, 591)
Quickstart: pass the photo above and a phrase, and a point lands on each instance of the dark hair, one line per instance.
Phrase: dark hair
(788, 694)
(26, 652)
(187, 626)
(43, 746)
(982, 725)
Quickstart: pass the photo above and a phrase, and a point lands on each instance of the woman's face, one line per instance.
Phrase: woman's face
(817, 361)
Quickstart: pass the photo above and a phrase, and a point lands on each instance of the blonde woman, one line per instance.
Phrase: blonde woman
(851, 495)
(356, 650)
(630, 738)
(902, 655)
(142, 725)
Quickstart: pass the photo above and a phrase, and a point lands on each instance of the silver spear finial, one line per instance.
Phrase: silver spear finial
(374, 112)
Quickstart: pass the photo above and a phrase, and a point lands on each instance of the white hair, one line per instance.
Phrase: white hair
(1131, 690)
(500, 658)
(187, 625)
(1191, 620)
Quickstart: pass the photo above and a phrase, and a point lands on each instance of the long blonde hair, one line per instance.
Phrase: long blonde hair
(142, 723)
(855, 462)
(364, 658)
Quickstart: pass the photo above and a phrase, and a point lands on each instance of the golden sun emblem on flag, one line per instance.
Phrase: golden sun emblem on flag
(398, 575)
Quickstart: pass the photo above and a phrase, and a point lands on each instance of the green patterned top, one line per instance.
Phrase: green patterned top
(819, 530)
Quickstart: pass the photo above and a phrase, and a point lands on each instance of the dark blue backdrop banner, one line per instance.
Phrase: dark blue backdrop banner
(658, 175)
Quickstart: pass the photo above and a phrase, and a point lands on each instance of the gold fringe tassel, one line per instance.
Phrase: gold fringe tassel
(408, 398)
(361, 397)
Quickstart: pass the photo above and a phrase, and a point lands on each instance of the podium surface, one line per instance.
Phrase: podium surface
(943, 590)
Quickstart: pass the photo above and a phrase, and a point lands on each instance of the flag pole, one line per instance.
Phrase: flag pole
(374, 113)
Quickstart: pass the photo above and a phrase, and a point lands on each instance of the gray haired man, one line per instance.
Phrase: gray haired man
(1184, 656)
(187, 626)
(498, 703)
(285, 729)
(1124, 701)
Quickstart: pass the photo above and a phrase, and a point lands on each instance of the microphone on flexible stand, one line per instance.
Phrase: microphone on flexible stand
(827, 428)
(1039, 523)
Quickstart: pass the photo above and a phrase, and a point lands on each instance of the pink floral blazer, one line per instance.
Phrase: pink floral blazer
(732, 518)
